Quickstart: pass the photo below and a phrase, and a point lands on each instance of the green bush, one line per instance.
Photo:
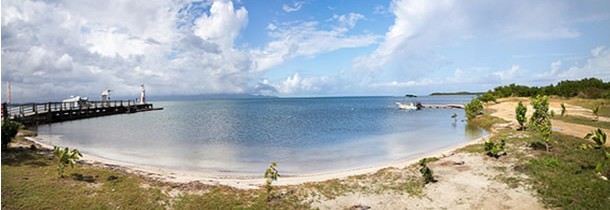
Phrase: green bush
(9, 131)
(426, 172)
(541, 118)
(65, 157)
(474, 108)
(520, 112)
(494, 149)
(599, 137)
(487, 97)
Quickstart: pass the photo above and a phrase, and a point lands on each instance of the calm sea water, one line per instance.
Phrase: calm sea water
(304, 135)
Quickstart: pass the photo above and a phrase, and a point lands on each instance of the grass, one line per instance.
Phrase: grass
(584, 121)
(566, 178)
(486, 121)
(588, 104)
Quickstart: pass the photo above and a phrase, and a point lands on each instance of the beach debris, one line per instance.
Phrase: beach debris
(359, 207)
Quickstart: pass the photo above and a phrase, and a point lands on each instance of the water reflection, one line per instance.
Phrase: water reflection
(472, 131)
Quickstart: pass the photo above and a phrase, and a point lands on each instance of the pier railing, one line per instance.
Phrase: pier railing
(30, 113)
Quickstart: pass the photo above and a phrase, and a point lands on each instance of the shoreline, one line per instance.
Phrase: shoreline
(252, 181)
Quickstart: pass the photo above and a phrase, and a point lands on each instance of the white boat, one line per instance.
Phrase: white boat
(409, 106)
(75, 102)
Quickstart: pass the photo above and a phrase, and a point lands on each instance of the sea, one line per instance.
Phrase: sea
(243, 136)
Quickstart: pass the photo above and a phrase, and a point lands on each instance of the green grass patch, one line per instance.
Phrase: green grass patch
(486, 121)
(584, 121)
(565, 177)
(589, 104)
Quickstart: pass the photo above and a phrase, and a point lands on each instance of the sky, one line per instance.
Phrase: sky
(56, 48)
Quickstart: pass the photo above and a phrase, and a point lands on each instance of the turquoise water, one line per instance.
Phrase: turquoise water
(242, 136)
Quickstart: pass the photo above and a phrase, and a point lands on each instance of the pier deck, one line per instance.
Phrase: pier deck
(43, 113)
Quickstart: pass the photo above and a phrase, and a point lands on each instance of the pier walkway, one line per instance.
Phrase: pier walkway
(42, 113)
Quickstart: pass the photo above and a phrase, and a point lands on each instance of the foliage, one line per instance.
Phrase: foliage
(426, 172)
(541, 120)
(495, 149)
(599, 137)
(584, 88)
(596, 112)
(474, 108)
(271, 174)
(487, 97)
(9, 131)
(563, 109)
(65, 157)
(520, 112)
(585, 121)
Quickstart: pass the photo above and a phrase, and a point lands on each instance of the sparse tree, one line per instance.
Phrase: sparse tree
(474, 108)
(563, 109)
(271, 174)
(541, 120)
(596, 112)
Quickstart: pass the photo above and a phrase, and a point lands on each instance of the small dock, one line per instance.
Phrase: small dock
(51, 112)
(443, 106)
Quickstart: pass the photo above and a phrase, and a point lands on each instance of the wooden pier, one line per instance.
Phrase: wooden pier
(443, 106)
(42, 113)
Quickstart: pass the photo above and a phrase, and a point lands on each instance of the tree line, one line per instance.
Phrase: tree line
(584, 88)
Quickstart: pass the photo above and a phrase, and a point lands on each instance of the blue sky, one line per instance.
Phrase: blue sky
(53, 49)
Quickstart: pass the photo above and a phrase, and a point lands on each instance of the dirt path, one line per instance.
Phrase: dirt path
(505, 109)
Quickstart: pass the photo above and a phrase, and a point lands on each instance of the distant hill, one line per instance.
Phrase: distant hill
(456, 93)
(206, 96)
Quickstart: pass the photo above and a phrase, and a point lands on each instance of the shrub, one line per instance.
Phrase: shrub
(563, 109)
(494, 149)
(541, 120)
(596, 112)
(520, 112)
(474, 108)
(271, 174)
(65, 157)
(426, 172)
(599, 137)
(487, 97)
(9, 131)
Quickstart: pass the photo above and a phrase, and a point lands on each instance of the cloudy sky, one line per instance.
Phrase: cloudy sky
(53, 49)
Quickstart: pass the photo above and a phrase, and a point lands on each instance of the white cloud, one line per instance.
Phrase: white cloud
(305, 39)
(412, 83)
(507, 74)
(297, 85)
(348, 20)
(296, 6)
(222, 25)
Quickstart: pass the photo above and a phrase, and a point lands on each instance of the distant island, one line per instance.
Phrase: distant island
(456, 93)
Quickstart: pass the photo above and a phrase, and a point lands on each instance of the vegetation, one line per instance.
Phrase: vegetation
(596, 112)
(563, 109)
(474, 108)
(455, 93)
(271, 174)
(541, 119)
(65, 157)
(9, 131)
(585, 121)
(495, 149)
(584, 88)
(599, 137)
(426, 172)
(520, 112)
(487, 97)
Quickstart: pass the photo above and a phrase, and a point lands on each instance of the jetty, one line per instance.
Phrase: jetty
(443, 106)
(51, 112)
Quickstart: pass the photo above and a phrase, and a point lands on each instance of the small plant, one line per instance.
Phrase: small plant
(546, 130)
(520, 112)
(494, 149)
(599, 137)
(596, 112)
(563, 109)
(426, 172)
(271, 174)
(541, 119)
(474, 108)
(9, 131)
(65, 157)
